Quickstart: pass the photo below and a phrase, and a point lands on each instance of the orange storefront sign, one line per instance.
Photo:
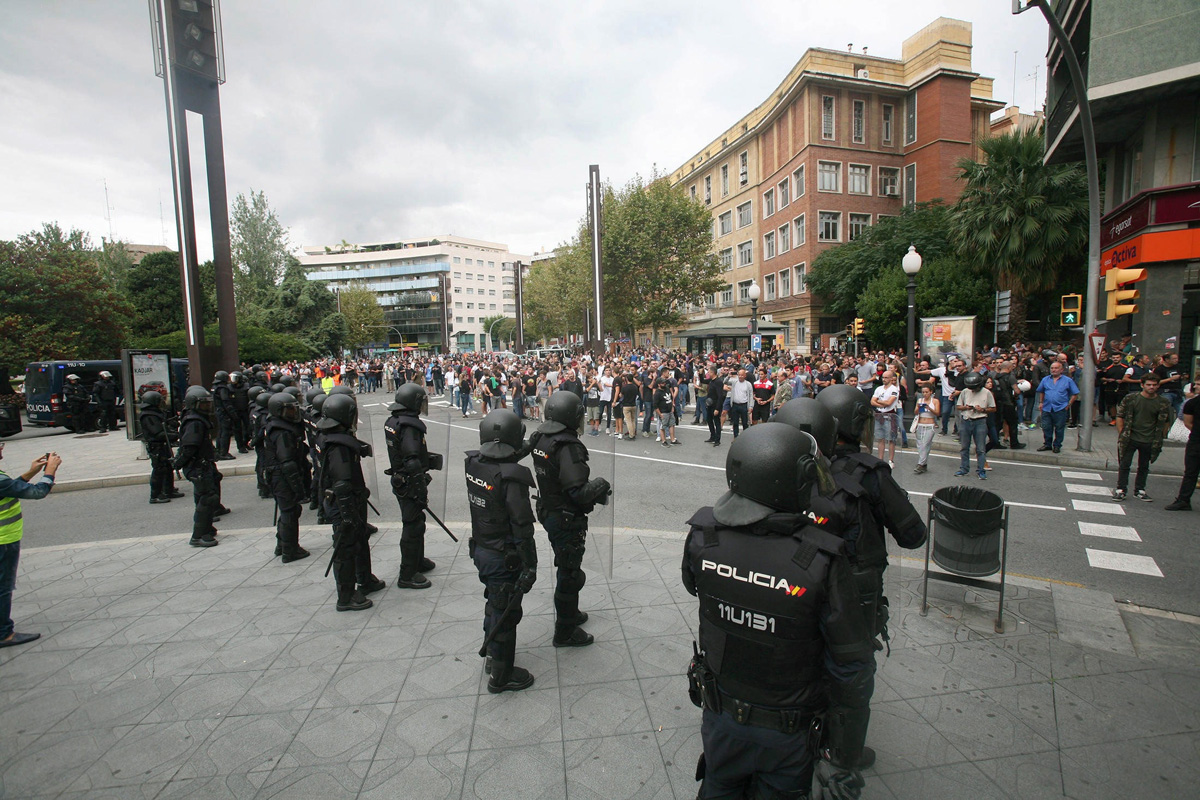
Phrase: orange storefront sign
(1150, 248)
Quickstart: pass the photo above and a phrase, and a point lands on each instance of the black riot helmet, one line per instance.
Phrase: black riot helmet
(151, 400)
(220, 376)
(255, 369)
(973, 381)
(294, 391)
(853, 412)
(236, 378)
(311, 394)
(264, 397)
(408, 398)
(565, 408)
(317, 402)
(342, 389)
(339, 410)
(254, 392)
(501, 434)
(260, 376)
(806, 414)
(197, 398)
(277, 387)
(769, 468)
(287, 380)
(284, 406)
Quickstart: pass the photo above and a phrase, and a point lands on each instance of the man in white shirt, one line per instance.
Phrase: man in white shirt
(741, 392)
(886, 402)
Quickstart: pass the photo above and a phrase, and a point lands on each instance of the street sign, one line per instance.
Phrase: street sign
(1003, 304)
(1097, 340)
(756, 342)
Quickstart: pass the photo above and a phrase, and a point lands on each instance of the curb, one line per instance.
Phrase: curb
(134, 480)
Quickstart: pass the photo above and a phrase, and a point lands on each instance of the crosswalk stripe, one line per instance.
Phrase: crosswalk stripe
(1123, 532)
(1123, 562)
(1082, 476)
(1099, 508)
(1083, 488)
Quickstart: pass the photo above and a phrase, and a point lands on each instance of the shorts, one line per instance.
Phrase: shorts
(666, 420)
(593, 413)
(886, 426)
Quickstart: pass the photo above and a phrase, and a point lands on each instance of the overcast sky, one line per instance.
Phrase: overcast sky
(376, 120)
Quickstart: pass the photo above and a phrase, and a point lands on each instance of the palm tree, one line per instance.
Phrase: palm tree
(1019, 218)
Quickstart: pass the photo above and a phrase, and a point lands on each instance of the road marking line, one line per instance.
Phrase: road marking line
(1099, 508)
(1083, 488)
(1123, 562)
(1123, 532)
(1007, 502)
(1082, 476)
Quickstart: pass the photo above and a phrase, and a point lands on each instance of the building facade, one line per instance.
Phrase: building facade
(1141, 61)
(435, 292)
(846, 139)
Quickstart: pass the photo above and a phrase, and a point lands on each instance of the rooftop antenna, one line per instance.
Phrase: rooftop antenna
(1014, 94)
(1036, 105)
(850, 47)
(107, 210)
(864, 49)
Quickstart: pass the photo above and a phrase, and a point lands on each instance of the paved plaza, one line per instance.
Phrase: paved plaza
(168, 671)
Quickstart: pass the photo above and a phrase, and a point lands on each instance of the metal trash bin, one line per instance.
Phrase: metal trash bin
(969, 523)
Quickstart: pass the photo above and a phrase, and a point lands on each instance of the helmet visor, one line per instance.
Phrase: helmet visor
(825, 485)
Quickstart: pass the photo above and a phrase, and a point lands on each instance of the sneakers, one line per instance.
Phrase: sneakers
(920, 469)
(1140, 494)
(960, 473)
(1180, 505)
(1118, 495)
(891, 465)
(983, 476)
(1044, 448)
(203, 541)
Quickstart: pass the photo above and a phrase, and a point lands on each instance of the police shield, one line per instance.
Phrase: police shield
(602, 458)
(438, 421)
(374, 458)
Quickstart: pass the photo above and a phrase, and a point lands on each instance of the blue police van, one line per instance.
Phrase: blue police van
(45, 403)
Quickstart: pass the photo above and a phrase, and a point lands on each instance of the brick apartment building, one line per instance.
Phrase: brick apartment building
(846, 139)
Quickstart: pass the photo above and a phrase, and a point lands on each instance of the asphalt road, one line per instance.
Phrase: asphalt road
(657, 488)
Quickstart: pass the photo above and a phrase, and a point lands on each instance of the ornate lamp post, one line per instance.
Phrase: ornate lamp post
(911, 265)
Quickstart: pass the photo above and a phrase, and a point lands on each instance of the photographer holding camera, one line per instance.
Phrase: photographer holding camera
(12, 492)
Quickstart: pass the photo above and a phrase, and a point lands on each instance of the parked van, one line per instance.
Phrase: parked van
(45, 403)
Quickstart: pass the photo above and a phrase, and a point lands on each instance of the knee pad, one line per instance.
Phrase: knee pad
(571, 581)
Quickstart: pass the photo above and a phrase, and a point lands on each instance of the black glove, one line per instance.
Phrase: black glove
(839, 784)
(435, 460)
(598, 489)
(526, 580)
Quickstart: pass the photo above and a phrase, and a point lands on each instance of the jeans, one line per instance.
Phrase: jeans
(903, 427)
(1054, 425)
(1191, 468)
(947, 410)
(1176, 401)
(9, 555)
(701, 417)
(466, 402)
(972, 430)
(1143, 469)
(738, 411)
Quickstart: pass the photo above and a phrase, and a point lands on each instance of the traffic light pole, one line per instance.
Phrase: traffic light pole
(1087, 386)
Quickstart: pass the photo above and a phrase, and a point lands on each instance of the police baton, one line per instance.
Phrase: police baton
(441, 524)
(512, 603)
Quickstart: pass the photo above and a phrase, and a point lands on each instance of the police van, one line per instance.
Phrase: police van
(45, 402)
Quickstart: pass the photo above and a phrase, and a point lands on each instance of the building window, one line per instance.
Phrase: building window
(745, 215)
(469, 262)
(457, 260)
(858, 179)
(910, 118)
(458, 290)
(470, 290)
(491, 263)
(827, 120)
(785, 193)
(724, 180)
(492, 278)
(889, 182)
(768, 245)
(727, 295)
(768, 203)
(829, 226)
(707, 189)
(798, 181)
(470, 319)
(744, 168)
(802, 332)
(785, 238)
(801, 237)
(859, 132)
(726, 221)
(744, 291)
(458, 319)
(888, 116)
(491, 306)
(785, 283)
(492, 292)
(470, 306)
(858, 225)
(458, 274)
(829, 176)
(693, 191)
(745, 254)
(458, 305)
(769, 287)
(470, 275)
(801, 282)
(726, 257)
(910, 184)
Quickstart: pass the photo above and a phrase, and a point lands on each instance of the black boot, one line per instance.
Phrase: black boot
(426, 565)
(504, 676)
(174, 494)
(414, 581)
(294, 553)
(371, 585)
(348, 597)
(570, 635)
(156, 500)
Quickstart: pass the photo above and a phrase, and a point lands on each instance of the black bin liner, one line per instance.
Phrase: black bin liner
(967, 529)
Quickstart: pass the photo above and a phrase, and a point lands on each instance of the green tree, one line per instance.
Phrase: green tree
(55, 304)
(154, 289)
(1021, 219)
(259, 244)
(254, 344)
(557, 290)
(842, 273)
(363, 315)
(114, 260)
(945, 287)
(504, 330)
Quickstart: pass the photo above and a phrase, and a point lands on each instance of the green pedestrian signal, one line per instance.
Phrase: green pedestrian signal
(1069, 318)
(1072, 304)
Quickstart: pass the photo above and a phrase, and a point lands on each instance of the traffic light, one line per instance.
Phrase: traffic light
(1070, 311)
(1114, 279)
(857, 329)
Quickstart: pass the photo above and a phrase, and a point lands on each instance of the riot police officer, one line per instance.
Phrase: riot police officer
(779, 623)
(565, 497)
(344, 494)
(410, 464)
(260, 377)
(315, 397)
(105, 392)
(260, 397)
(153, 422)
(240, 393)
(79, 405)
(287, 472)
(501, 544)
(223, 408)
(197, 459)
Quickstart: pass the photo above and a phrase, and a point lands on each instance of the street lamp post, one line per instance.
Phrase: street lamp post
(911, 264)
(754, 293)
(489, 333)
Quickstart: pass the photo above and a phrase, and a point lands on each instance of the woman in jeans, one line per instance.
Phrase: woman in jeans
(928, 411)
(465, 387)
